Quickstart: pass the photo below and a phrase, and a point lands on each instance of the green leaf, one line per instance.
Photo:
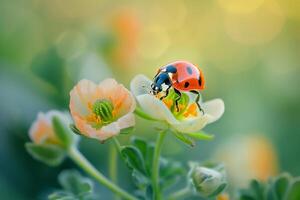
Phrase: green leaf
(128, 130)
(280, 186)
(61, 195)
(62, 132)
(245, 194)
(141, 145)
(133, 158)
(149, 158)
(74, 186)
(170, 172)
(294, 190)
(200, 136)
(258, 189)
(73, 182)
(49, 154)
(184, 138)
(140, 179)
(138, 111)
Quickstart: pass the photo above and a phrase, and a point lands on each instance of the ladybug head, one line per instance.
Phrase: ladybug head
(159, 80)
(156, 88)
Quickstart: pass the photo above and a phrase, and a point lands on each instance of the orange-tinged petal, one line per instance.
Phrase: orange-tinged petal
(89, 123)
(42, 131)
(82, 96)
(168, 102)
(191, 110)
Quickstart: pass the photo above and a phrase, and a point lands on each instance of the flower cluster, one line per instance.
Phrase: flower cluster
(102, 111)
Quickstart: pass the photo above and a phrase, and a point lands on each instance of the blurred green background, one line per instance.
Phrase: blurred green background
(248, 49)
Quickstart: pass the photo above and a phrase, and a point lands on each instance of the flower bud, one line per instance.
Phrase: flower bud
(206, 181)
(51, 137)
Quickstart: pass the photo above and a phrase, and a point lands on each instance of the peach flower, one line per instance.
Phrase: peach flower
(101, 111)
(42, 130)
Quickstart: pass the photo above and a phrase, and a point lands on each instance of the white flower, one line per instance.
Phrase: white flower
(190, 120)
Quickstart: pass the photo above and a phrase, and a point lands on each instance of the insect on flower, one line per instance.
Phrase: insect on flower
(182, 76)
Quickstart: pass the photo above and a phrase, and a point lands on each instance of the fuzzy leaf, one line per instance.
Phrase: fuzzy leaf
(294, 190)
(74, 187)
(170, 172)
(49, 154)
(280, 186)
(133, 158)
(141, 145)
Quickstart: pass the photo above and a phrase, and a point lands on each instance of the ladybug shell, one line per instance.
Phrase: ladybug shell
(188, 77)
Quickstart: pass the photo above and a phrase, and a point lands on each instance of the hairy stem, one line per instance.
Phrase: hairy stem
(155, 166)
(82, 162)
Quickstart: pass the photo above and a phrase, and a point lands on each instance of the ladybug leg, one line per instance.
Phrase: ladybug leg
(166, 94)
(177, 99)
(197, 100)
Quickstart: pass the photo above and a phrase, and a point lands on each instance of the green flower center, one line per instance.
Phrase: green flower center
(184, 108)
(103, 109)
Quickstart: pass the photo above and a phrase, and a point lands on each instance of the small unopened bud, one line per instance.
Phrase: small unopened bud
(207, 182)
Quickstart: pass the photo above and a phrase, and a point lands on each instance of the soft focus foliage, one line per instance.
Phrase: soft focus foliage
(248, 51)
(74, 186)
(282, 187)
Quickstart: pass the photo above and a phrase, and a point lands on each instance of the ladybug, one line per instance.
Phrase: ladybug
(182, 76)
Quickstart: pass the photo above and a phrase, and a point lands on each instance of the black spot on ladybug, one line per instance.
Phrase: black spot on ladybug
(186, 84)
(189, 70)
(200, 81)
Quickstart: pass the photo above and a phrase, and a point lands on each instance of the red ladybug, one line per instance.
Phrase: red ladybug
(183, 76)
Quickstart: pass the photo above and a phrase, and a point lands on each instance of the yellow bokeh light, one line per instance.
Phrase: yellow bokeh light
(153, 43)
(291, 8)
(240, 6)
(258, 27)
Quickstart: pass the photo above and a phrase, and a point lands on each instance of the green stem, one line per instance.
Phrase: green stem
(117, 144)
(155, 166)
(82, 162)
(181, 194)
(114, 149)
(112, 165)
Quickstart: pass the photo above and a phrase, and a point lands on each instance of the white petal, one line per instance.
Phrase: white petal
(102, 134)
(108, 131)
(156, 108)
(214, 109)
(191, 125)
(126, 121)
(140, 84)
